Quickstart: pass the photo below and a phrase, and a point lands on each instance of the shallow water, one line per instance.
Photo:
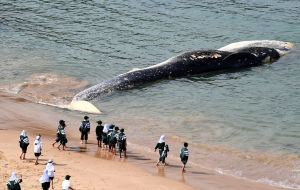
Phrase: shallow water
(228, 113)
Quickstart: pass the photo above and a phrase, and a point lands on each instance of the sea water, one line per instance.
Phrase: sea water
(243, 123)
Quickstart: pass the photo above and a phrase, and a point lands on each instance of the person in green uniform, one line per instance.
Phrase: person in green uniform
(184, 155)
(84, 129)
(109, 133)
(113, 139)
(164, 155)
(104, 136)
(63, 137)
(122, 140)
(14, 182)
(160, 146)
(99, 132)
(24, 142)
(61, 125)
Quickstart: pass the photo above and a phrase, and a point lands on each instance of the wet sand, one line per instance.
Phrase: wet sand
(90, 167)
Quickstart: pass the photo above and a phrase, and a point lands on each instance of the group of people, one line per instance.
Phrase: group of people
(109, 137)
(163, 149)
(48, 175)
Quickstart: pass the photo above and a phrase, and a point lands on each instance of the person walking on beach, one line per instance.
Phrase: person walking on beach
(24, 142)
(14, 182)
(59, 135)
(84, 129)
(63, 139)
(122, 143)
(99, 132)
(104, 136)
(38, 145)
(45, 180)
(184, 155)
(50, 168)
(113, 139)
(160, 146)
(164, 155)
(66, 184)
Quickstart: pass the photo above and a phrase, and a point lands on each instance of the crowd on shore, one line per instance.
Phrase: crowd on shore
(109, 139)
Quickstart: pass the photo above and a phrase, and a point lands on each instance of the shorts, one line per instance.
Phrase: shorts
(46, 185)
(84, 136)
(122, 147)
(24, 148)
(63, 141)
(37, 154)
(105, 140)
(184, 159)
(51, 178)
(99, 138)
(58, 139)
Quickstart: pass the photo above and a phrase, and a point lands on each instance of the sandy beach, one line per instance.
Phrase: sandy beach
(91, 168)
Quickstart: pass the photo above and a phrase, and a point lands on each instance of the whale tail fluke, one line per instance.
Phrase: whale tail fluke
(83, 106)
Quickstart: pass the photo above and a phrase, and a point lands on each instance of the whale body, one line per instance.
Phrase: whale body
(233, 56)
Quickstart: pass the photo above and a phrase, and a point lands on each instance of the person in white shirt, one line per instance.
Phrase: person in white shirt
(45, 180)
(51, 170)
(66, 184)
(38, 145)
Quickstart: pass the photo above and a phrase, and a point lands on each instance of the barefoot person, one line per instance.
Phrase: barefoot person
(66, 184)
(50, 168)
(45, 180)
(184, 155)
(84, 129)
(122, 140)
(14, 182)
(164, 155)
(104, 136)
(24, 142)
(38, 145)
(60, 127)
(99, 132)
(160, 146)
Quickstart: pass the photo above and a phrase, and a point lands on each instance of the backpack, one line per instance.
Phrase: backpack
(84, 126)
(122, 138)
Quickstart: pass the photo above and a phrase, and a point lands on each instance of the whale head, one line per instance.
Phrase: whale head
(281, 47)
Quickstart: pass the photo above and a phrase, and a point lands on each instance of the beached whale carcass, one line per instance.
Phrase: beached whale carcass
(233, 56)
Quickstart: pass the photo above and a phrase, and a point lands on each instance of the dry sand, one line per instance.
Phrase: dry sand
(90, 168)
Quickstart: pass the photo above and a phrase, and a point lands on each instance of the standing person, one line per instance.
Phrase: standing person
(184, 155)
(45, 180)
(160, 146)
(84, 129)
(63, 137)
(104, 135)
(109, 133)
(60, 127)
(50, 168)
(99, 132)
(122, 140)
(38, 145)
(14, 182)
(24, 142)
(66, 184)
(113, 139)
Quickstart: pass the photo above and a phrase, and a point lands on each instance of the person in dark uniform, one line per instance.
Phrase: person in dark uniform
(84, 129)
(160, 146)
(113, 139)
(99, 132)
(24, 142)
(122, 140)
(104, 136)
(184, 155)
(59, 136)
(62, 137)
(14, 182)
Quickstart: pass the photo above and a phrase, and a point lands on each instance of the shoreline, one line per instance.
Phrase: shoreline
(18, 114)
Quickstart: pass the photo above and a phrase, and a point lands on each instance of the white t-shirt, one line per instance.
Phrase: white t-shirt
(37, 146)
(66, 184)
